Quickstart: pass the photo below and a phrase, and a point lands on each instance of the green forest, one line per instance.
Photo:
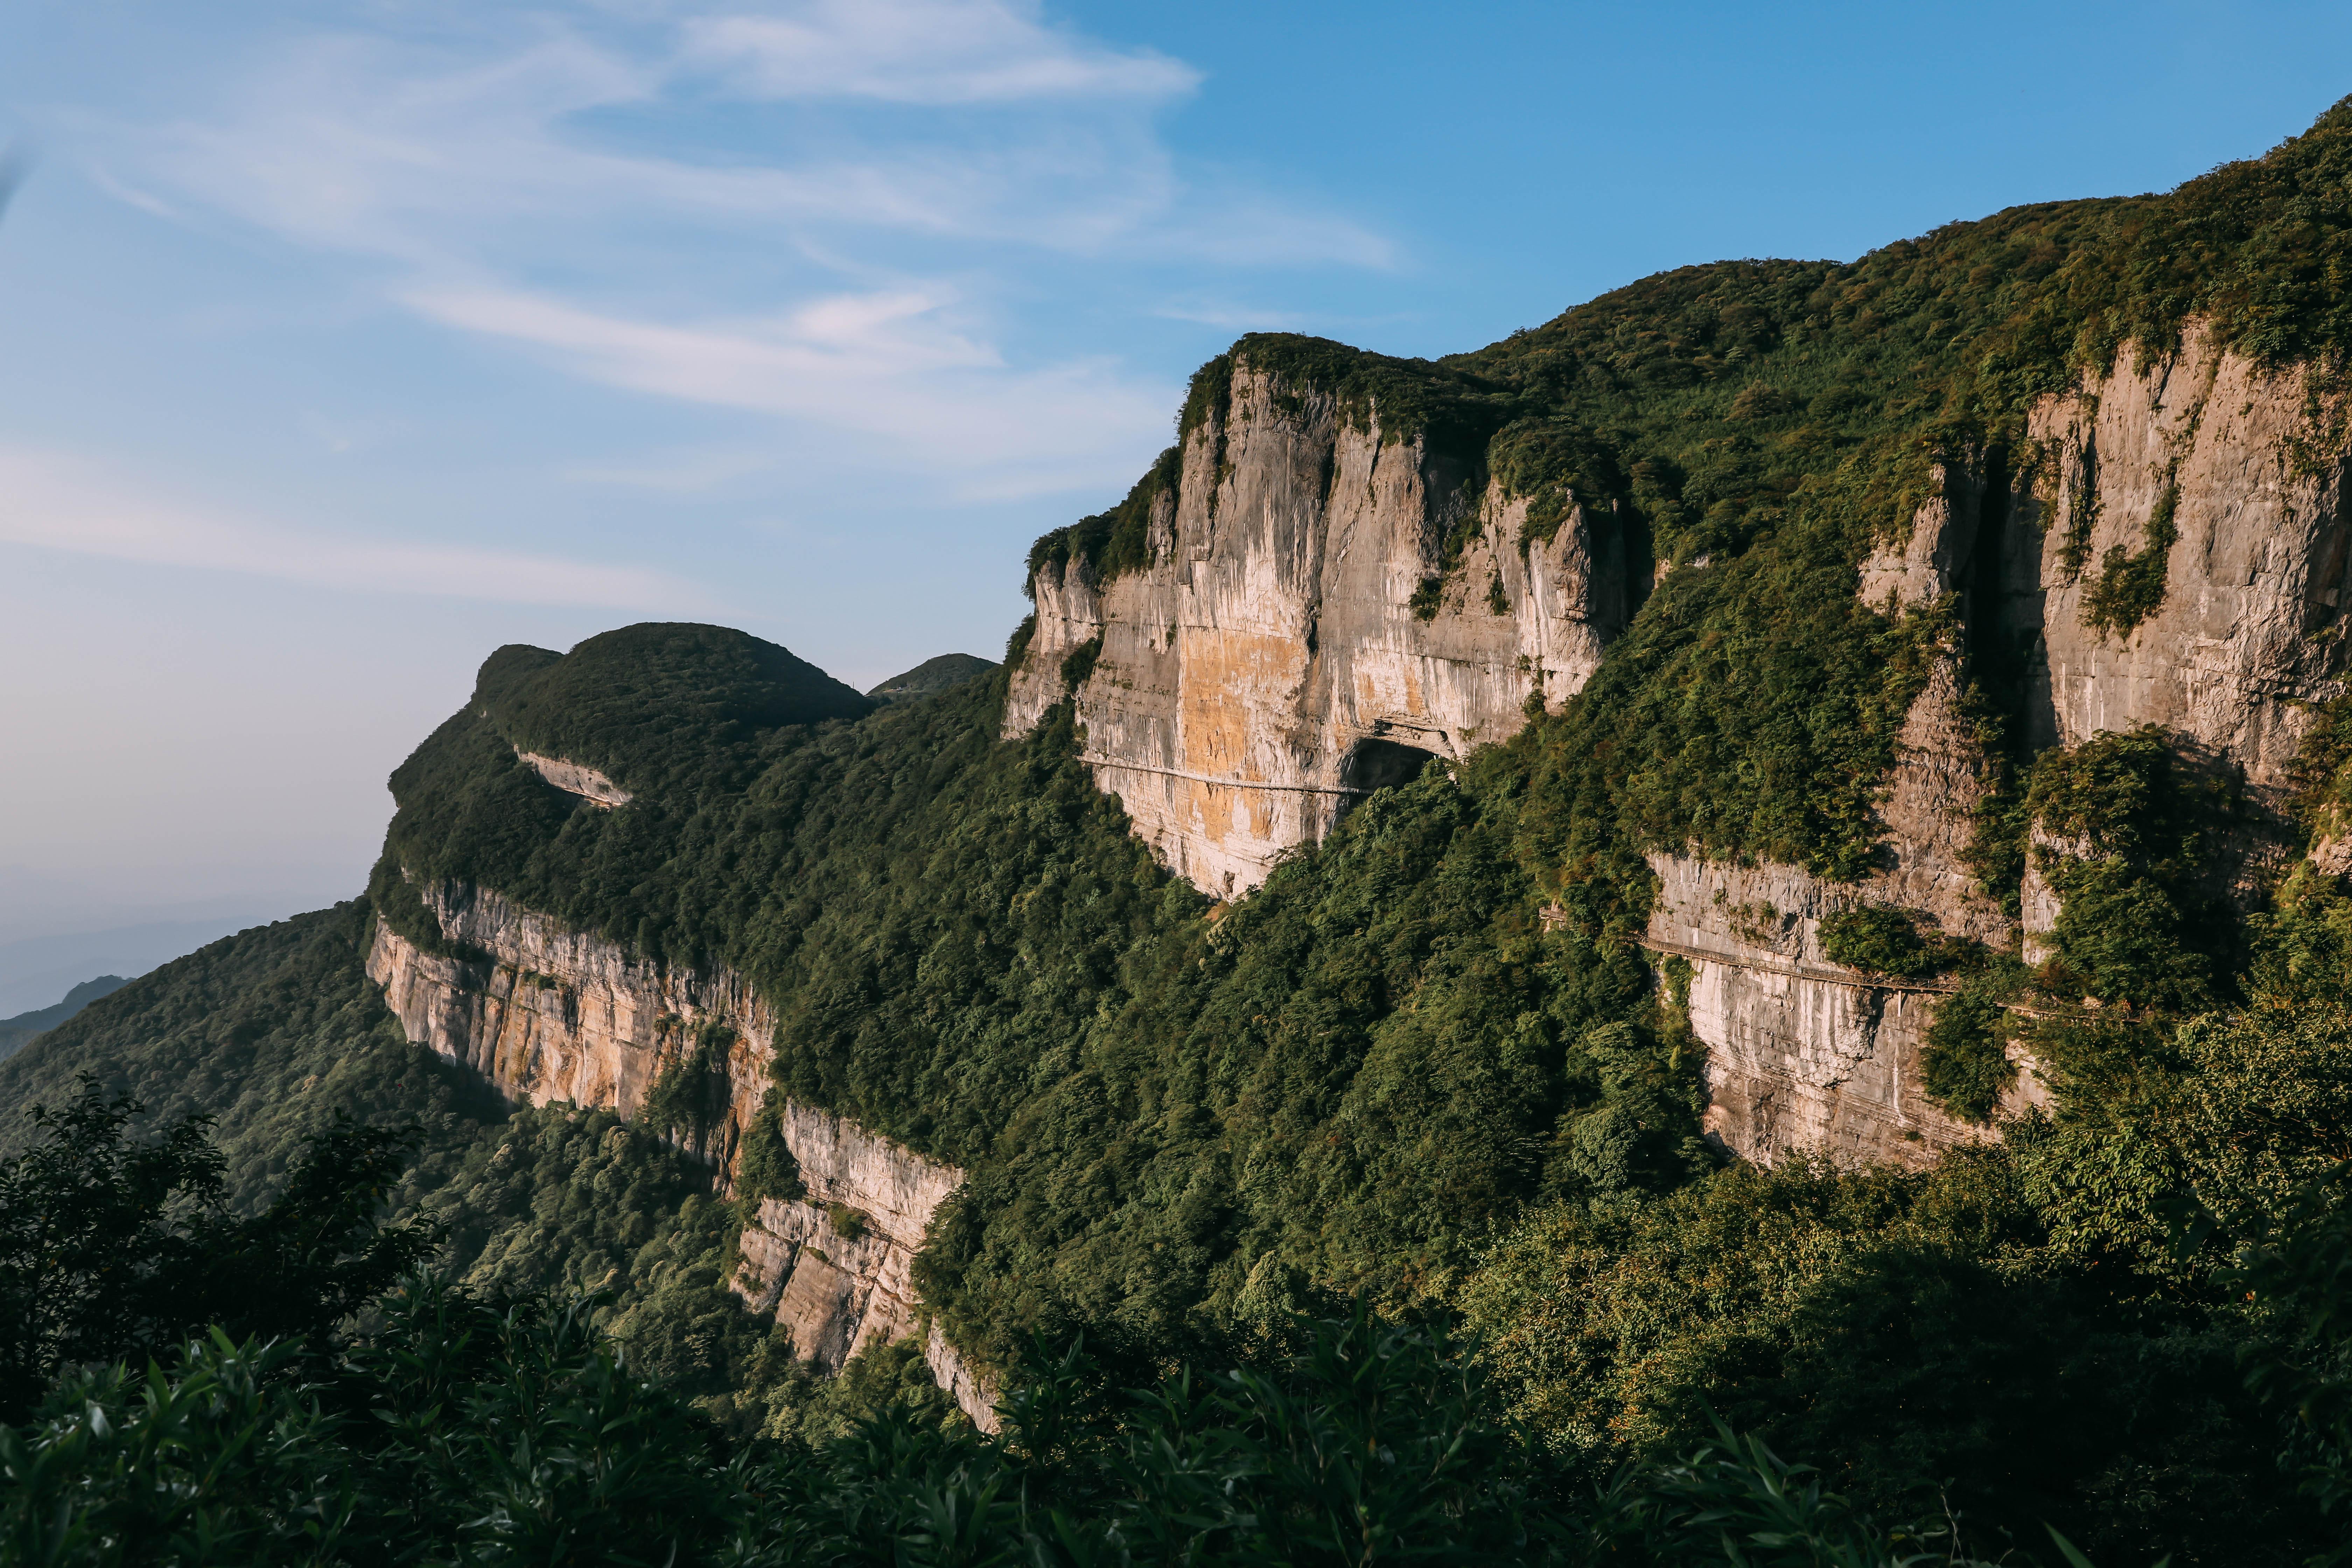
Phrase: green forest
(1368, 1216)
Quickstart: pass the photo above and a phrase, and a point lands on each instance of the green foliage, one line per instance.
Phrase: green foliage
(1915, 1335)
(1206, 396)
(2131, 583)
(1555, 463)
(939, 674)
(2129, 825)
(1353, 1074)
(1451, 411)
(764, 1166)
(1763, 669)
(1118, 541)
(268, 1035)
(485, 1429)
(692, 1091)
(1079, 663)
(270, 1032)
(658, 704)
(112, 1246)
(2323, 782)
(1884, 940)
(2298, 1270)
(2302, 945)
(1965, 1066)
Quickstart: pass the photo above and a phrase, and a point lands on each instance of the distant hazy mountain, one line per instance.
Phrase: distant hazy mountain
(35, 971)
(14, 1032)
(932, 675)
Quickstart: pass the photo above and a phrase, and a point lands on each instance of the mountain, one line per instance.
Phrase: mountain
(1751, 844)
(932, 675)
(16, 1031)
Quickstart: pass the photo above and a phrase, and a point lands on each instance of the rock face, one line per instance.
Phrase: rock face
(547, 1014)
(834, 1263)
(2254, 579)
(2197, 444)
(1267, 665)
(575, 779)
(1802, 1052)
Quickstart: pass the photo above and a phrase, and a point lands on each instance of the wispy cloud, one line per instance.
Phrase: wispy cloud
(926, 52)
(897, 168)
(881, 367)
(57, 501)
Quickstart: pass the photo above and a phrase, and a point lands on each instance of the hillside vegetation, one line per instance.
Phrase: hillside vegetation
(1190, 1128)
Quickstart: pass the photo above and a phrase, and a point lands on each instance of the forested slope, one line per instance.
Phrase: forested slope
(1425, 1061)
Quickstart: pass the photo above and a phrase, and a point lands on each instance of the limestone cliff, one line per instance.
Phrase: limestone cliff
(573, 778)
(2192, 454)
(1801, 1052)
(1271, 662)
(1268, 664)
(2209, 447)
(546, 1014)
(834, 1263)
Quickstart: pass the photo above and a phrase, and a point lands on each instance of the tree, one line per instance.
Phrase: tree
(115, 1245)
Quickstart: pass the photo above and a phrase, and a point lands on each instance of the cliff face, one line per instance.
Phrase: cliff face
(834, 1264)
(2159, 555)
(1268, 665)
(2188, 457)
(1803, 1053)
(547, 1013)
(2254, 578)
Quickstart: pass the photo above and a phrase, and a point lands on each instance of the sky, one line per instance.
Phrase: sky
(341, 342)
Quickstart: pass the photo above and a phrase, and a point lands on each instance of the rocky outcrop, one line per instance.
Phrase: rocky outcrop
(2222, 453)
(547, 1013)
(2188, 469)
(1324, 606)
(1269, 664)
(835, 1265)
(573, 778)
(1802, 1052)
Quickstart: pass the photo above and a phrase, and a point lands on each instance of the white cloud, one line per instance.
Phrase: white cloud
(55, 501)
(882, 366)
(925, 52)
(855, 264)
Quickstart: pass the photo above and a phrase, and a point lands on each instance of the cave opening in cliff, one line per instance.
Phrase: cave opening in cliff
(1382, 764)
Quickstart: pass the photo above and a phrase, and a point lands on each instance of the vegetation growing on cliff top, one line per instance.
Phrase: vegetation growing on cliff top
(1381, 1071)
(1785, 414)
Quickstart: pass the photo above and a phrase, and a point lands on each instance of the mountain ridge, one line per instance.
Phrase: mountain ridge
(1787, 761)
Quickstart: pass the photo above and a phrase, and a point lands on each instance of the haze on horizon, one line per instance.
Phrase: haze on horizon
(350, 343)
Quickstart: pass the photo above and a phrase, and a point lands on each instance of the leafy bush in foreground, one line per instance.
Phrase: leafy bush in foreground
(477, 1429)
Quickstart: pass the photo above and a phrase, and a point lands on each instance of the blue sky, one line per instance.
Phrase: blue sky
(343, 341)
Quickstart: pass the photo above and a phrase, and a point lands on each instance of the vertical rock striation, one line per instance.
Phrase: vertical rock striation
(549, 1014)
(1325, 607)
(1269, 664)
(2198, 458)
